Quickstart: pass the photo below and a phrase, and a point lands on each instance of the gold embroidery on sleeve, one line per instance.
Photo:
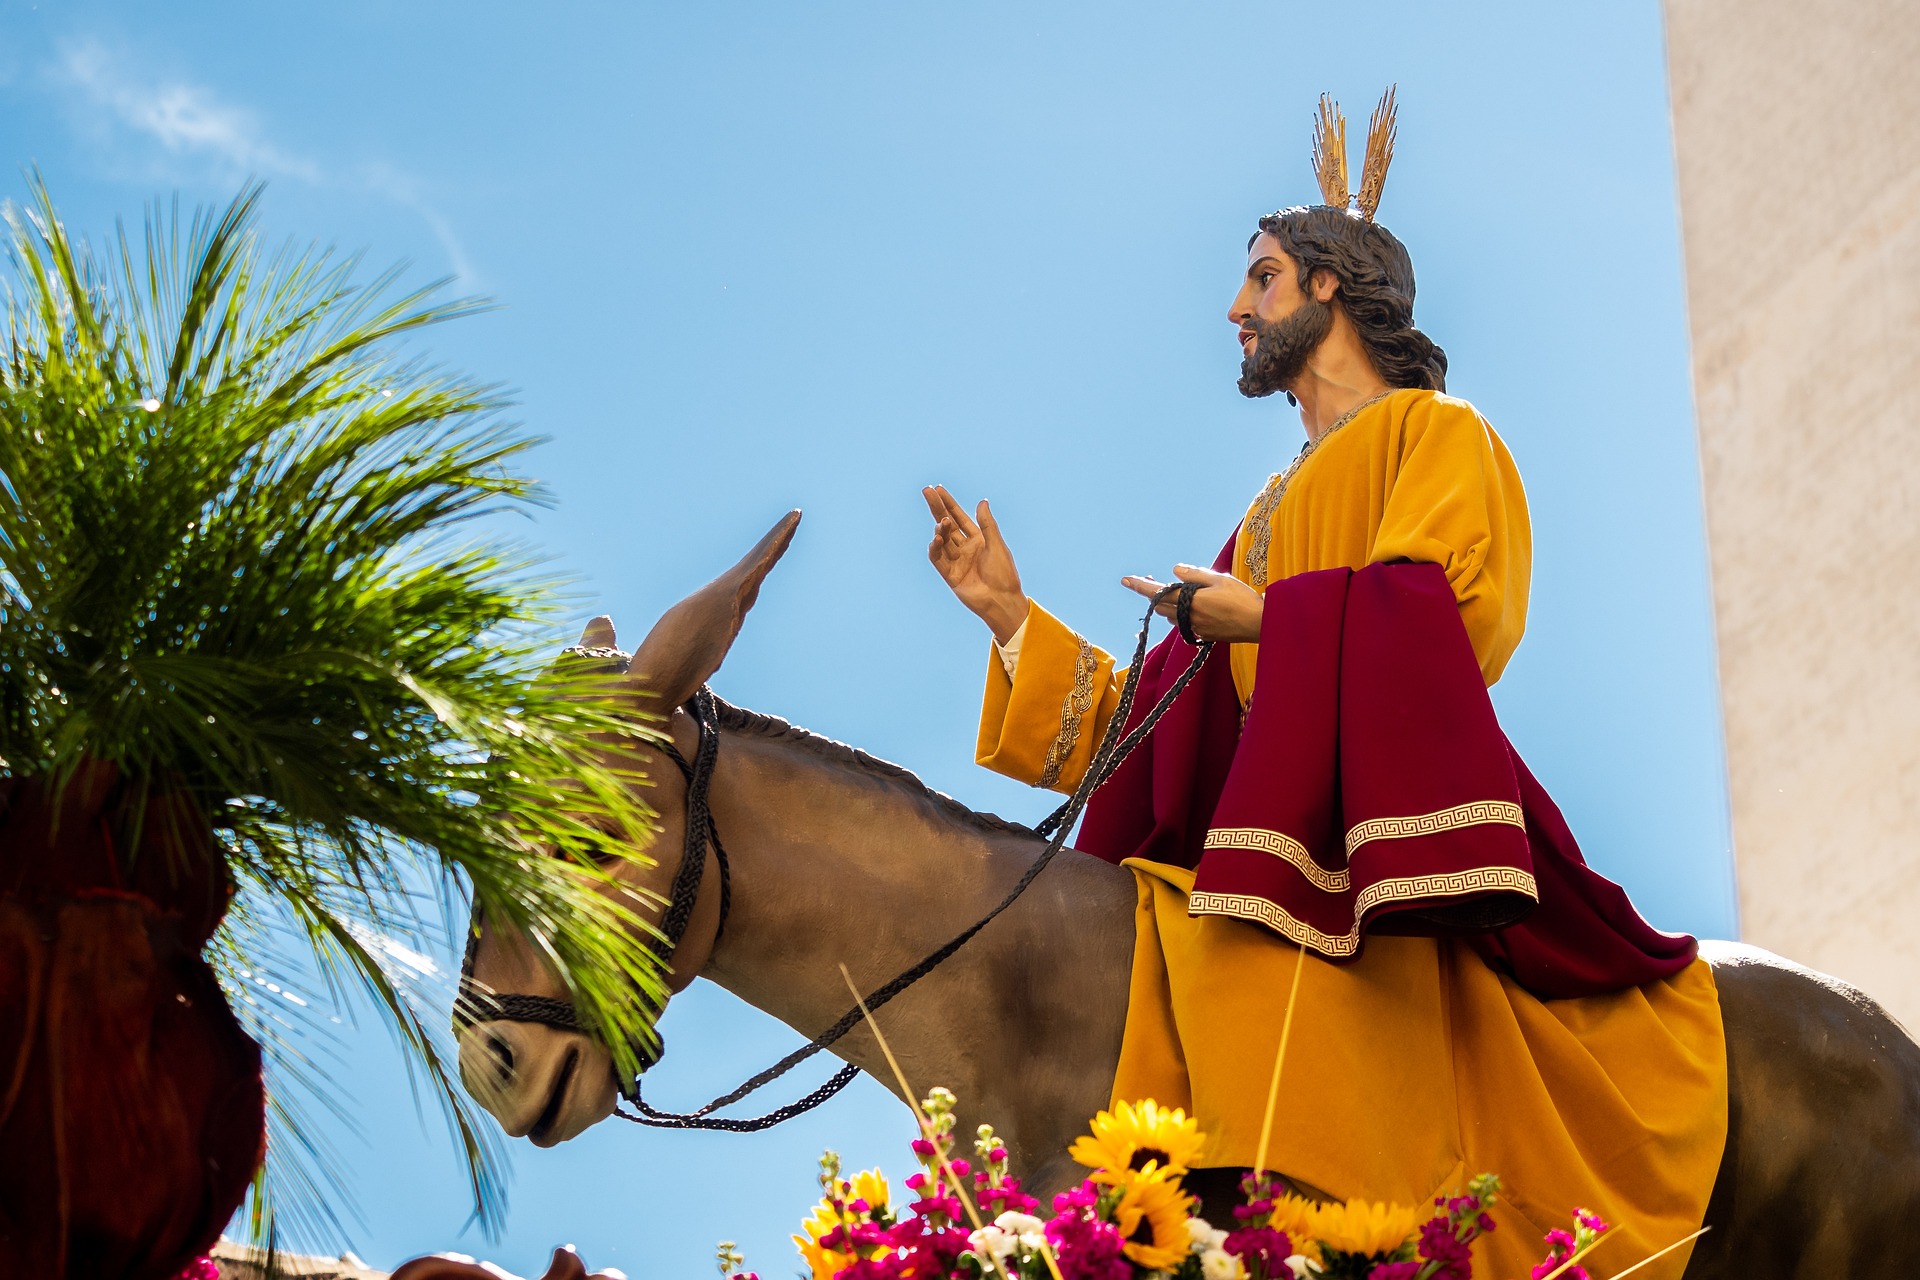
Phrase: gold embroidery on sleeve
(1072, 711)
(1474, 814)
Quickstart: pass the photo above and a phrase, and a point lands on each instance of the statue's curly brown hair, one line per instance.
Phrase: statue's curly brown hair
(1376, 287)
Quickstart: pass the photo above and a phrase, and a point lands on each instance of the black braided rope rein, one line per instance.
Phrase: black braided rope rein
(1107, 758)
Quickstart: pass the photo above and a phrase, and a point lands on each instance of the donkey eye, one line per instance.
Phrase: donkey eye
(599, 850)
(603, 853)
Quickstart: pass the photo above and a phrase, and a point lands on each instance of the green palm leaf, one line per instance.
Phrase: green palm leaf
(239, 557)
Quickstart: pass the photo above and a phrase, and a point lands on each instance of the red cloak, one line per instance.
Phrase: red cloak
(1369, 790)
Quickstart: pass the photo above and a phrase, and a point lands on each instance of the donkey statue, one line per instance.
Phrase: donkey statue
(833, 852)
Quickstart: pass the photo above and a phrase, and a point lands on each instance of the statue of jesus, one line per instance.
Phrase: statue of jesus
(1476, 997)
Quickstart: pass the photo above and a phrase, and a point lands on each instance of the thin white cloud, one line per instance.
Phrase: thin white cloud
(185, 119)
(193, 124)
(403, 190)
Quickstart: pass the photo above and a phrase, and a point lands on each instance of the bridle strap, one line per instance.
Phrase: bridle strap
(684, 895)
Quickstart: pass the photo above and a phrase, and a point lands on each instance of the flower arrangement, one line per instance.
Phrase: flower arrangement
(1131, 1218)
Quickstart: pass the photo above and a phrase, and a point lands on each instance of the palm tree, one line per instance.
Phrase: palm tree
(266, 676)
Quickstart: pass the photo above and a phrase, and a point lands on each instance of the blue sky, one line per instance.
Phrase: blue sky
(760, 256)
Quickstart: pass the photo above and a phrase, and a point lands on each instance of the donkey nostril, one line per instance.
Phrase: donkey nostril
(502, 1056)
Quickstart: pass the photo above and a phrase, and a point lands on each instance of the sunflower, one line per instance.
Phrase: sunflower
(870, 1186)
(1151, 1216)
(824, 1263)
(1144, 1138)
(1362, 1228)
(1293, 1215)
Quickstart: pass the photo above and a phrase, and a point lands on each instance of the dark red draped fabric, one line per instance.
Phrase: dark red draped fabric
(1370, 790)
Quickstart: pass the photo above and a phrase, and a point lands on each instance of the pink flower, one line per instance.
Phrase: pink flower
(1438, 1244)
(1263, 1249)
(199, 1269)
(921, 1251)
(1085, 1247)
(1005, 1198)
(947, 1206)
(1560, 1247)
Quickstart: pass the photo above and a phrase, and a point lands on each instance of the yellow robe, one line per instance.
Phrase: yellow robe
(1416, 1066)
(1415, 476)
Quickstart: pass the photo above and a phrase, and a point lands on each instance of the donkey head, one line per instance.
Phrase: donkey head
(551, 1084)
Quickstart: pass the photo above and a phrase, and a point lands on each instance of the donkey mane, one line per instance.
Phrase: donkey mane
(740, 720)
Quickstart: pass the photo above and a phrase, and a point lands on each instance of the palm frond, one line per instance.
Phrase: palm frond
(244, 555)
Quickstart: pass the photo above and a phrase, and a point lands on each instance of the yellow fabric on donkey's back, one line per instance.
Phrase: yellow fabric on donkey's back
(1416, 1067)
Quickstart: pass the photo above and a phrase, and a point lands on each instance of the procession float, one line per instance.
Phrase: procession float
(1323, 986)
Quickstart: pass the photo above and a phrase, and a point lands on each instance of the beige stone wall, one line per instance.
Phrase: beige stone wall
(1797, 133)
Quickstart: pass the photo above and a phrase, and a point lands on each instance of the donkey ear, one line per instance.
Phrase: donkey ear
(691, 639)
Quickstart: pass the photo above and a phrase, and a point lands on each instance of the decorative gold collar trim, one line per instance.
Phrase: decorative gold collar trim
(1260, 520)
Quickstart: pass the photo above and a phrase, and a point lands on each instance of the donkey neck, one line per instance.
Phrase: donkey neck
(841, 859)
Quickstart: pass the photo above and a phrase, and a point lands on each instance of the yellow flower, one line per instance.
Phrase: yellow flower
(1359, 1227)
(870, 1186)
(824, 1263)
(1152, 1218)
(1293, 1215)
(1144, 1138)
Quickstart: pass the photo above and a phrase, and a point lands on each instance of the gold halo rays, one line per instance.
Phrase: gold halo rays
(1330, 153)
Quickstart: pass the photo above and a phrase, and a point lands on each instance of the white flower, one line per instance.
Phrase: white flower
(1201, 1234)
(1218, 1264)
(1022, 1225)
(1031, 1230)
(992, 1242)
(1302, 1266)
(1009, 1234)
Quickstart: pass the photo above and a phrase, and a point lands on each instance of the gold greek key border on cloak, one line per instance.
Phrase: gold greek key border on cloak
(1245, 906)
(1283, 846)
(1072, 711)
(1472, 814)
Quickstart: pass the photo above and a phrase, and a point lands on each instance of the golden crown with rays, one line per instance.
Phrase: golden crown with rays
(1330, 154)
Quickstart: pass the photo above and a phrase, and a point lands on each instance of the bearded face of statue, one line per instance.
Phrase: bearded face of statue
(1281, 325)
(1278, 351)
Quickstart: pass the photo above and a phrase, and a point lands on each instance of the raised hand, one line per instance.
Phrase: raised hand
(975, 563)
